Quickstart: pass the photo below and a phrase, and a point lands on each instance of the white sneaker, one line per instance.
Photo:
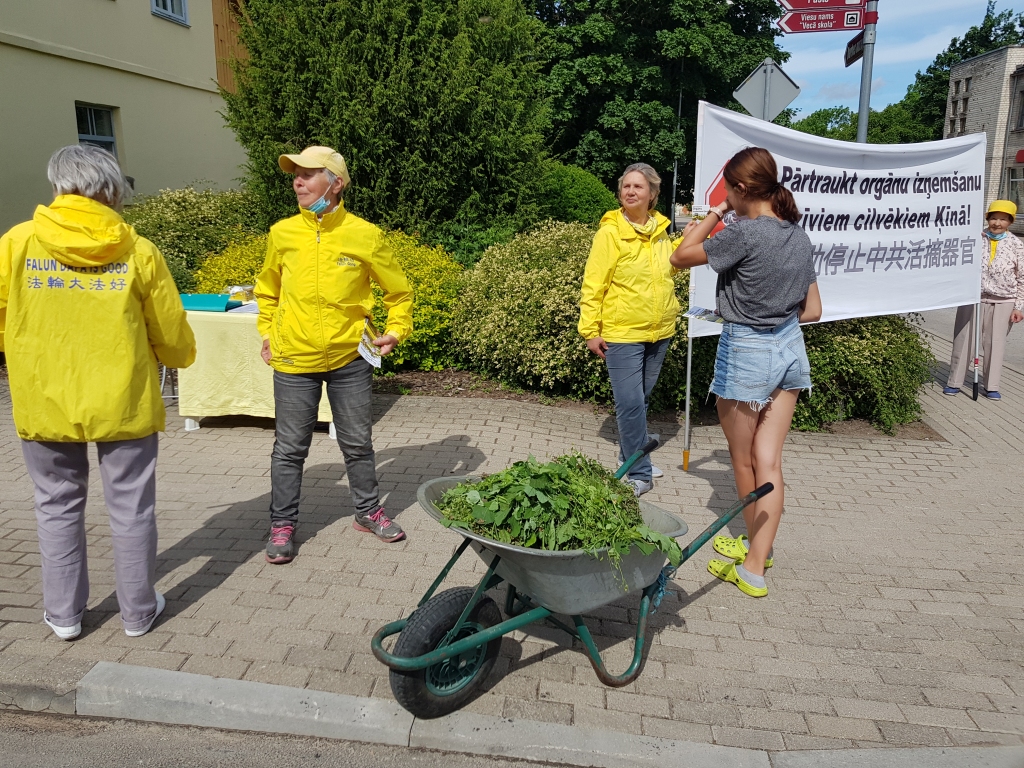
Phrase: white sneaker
(640, 487)
(655, 472)
(160, 605)
(64, 633)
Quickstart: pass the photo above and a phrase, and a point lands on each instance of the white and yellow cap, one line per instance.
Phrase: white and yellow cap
(317, 157)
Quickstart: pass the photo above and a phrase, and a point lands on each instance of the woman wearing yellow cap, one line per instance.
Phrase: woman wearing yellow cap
(1002, 303)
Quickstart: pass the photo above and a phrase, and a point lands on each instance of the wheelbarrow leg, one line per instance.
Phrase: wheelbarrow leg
(636, 667)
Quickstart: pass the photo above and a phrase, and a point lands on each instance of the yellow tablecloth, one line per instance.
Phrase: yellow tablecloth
(229, 378)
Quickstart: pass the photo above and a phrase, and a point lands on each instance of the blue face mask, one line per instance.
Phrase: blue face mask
(994, 236)
(319, 206)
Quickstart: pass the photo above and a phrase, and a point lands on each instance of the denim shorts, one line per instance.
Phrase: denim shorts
(753, 362)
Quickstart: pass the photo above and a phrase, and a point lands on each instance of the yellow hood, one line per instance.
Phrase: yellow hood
(81, 232)
(626, 230)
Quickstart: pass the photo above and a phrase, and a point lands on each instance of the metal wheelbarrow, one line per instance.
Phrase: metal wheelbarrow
(447, 647)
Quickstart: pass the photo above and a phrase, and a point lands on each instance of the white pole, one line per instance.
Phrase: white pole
(977, 348)
(867, 65)
(686, 425)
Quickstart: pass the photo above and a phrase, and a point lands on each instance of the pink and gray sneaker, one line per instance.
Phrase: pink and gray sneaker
(379, 524)
(281, 547)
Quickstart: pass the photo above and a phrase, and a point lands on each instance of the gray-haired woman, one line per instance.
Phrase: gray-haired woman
(628, 308)
(87, 307)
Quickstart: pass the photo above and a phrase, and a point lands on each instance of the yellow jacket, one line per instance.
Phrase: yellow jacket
(87, 307)
(314, 290)
(628, 292)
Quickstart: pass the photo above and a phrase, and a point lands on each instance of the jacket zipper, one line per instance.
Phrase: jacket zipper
(319, 302)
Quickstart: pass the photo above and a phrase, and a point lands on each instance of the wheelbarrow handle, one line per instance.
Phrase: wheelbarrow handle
(709, 532)
(628, 464)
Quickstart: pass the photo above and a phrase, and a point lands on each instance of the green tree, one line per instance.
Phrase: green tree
(616, 69)
(896, 124)
(437, 106)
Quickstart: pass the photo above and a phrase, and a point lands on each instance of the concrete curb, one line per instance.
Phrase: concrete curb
(179, 698)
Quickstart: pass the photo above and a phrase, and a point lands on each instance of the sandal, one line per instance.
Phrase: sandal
(726, 571)
(736, 548)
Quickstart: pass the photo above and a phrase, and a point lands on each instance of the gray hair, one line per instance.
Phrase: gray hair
(89, 171)
(653, 180)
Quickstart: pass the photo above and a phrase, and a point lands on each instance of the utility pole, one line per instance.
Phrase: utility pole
(870, 23)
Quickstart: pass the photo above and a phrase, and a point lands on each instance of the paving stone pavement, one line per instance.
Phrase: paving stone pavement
(895, 615)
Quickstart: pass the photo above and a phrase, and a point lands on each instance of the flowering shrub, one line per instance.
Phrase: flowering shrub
(516, 318)
(869, 368)
(187, 225)
(238, 264)
(435, 278)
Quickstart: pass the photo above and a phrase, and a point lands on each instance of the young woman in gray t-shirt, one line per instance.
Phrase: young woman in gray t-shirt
(766, 288)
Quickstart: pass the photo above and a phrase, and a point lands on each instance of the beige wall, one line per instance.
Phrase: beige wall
(123, 32)
(167, 135)
(157, 74)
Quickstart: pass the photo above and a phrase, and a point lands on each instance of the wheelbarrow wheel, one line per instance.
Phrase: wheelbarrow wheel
(446, 686)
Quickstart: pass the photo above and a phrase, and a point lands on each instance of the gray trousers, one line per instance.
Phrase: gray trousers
(60, 472)
(634, 370)
(296, 402)
(995, 327)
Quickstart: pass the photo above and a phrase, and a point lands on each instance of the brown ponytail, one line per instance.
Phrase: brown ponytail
(756, 170)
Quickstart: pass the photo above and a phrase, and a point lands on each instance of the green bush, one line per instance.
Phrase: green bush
(869, 368)
(435, 280)
(516, 319)
(569, 193)
(238, 264)
(187, 225)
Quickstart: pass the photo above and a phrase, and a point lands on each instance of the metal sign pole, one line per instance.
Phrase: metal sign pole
(871, 22)
(769, 71)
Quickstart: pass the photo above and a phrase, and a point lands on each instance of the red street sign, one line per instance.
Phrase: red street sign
(822, 5)
(821, 21)
(855, 50)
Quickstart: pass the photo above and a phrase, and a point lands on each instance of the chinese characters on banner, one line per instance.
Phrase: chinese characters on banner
(895, 228)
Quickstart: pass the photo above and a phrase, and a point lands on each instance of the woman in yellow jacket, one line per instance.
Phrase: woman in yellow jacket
(315, 301)
(628, 308)
(87, 308)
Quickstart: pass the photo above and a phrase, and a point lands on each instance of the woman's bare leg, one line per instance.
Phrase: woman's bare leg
(755, 445)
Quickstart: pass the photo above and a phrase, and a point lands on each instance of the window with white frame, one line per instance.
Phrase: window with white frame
(96, 127)
(175, 10)
(1015, 186)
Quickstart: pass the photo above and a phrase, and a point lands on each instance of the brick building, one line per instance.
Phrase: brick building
(986, 94)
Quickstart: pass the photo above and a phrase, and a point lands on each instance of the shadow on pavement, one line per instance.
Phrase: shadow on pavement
(238, 533)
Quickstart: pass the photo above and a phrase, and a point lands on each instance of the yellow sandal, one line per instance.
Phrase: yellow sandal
(736, 549)
(726, 571)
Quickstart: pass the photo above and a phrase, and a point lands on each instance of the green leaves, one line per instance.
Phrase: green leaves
(570, 503)
(440, 114)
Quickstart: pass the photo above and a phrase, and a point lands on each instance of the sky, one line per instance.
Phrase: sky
(910, 34)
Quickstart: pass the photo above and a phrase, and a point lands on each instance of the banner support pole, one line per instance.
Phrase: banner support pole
(977, 349)
(686, 424)
(867, 67)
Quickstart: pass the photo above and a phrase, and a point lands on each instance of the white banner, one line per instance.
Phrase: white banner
(895, 227)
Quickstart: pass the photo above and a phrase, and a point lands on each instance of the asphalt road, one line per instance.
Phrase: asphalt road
(45, 741)
(940, 322)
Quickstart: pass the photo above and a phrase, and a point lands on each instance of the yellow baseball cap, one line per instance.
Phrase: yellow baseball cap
(316, 157)
(1003, 206)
